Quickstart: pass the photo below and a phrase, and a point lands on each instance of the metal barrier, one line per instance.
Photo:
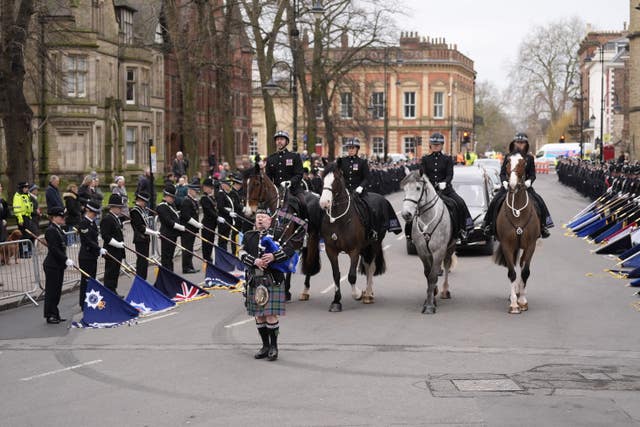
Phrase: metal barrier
(19, 270)
(542, 168)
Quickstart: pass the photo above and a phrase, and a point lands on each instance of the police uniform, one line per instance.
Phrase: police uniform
(54, 265)
(170, 228)
(356, 172)
(188, 217)
(112, 235)
(141, 224)
(22, 209)
(283, 166)
(89, 248)
(225, 207)
(209, 220)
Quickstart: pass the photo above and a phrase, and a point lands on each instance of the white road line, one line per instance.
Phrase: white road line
(158, 317)
(242, 322)
(332, 286)
(386, 247)
(57, 371)
(400, 237)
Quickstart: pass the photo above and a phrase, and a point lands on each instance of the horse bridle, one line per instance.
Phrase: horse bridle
(419, 211)
(329, 211)
(262, 190)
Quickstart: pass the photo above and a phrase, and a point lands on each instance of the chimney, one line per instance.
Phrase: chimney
(344, 40)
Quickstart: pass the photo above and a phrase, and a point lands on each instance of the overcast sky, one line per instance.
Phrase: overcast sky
(490, 31)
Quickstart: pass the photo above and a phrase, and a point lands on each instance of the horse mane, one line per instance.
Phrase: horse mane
(330, 168)
(414, 176)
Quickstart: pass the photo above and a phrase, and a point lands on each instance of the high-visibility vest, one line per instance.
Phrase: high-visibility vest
(470, 158)
(22, 206)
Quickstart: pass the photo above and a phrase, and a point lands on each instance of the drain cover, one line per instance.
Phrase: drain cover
(487, 385)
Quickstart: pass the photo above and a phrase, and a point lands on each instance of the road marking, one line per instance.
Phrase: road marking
(158, 317)
(400, 237)
(332, 286)
(386, 247)
(57, 371)
(242, 322)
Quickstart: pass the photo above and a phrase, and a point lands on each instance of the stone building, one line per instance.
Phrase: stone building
(634, 79)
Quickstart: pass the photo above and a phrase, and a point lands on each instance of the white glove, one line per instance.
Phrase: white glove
(221, 220)
(103, 251)
(505, 184)
(4, 222)
(151, 232)
(233, 214)
(359, 189)
(285, 184)
(527, 183)
(442, 185)
(116, 244)
(195, 223)
(178, 227)
(69, 262)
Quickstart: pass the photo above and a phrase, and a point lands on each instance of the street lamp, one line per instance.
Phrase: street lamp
(385, 104)
(601, 102)
(272, 88)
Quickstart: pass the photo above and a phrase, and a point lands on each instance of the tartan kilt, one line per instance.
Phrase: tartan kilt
(275, 306)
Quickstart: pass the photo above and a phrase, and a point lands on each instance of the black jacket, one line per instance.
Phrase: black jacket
(283, 166)
(355, 171)
(111, 228)
(209, 211)
(188, 210)
(224, 201)
(251, 250)
(169, 216)
(438, 167)
(74, 209)
(529, 169)
(57, 248)
(140, 221)
(89, 246)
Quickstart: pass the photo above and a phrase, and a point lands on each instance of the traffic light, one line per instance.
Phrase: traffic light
(561, 138)
(466, 138)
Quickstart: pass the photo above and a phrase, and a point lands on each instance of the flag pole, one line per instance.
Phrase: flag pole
(183, 248)
(44, 242)
(151, 260)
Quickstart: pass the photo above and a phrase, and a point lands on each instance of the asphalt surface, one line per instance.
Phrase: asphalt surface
(572, 359)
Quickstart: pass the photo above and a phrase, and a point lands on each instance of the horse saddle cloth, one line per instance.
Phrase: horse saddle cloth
(452, 207)
(293, 203)
(383, 216)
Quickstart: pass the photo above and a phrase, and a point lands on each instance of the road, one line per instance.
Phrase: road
(572, 359)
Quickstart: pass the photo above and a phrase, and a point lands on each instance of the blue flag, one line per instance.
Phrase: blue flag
(104, 309)
(286, 266)
(147, 299)
(227, 262)
(217, 278)
(178, 288)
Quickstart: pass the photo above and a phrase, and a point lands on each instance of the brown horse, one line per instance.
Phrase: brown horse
(517, 229)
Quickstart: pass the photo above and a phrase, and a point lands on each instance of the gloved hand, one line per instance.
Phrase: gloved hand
(505, 185)
(442, 185)
(116, 244)
(4, 222)
(178, 227)
(195, 223)
(103, 251)
(233, 214)
(359, 189)
(285, 184)
(150, 232)
(69, 262)
(221, 220)
(527, 183)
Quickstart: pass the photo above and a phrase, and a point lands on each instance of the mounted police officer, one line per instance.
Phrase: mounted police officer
(54, 264)
(170, 227)
(90, 249)
(355, 171)
(142, 232)
(438, 167)
(285, 169)
(113, 240)
(519, 145)
(189, 218)
(209, 218)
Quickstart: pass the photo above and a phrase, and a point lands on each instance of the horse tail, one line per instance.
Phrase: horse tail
(381, 264)
(498, 256)
(452, 261)
(311, 255)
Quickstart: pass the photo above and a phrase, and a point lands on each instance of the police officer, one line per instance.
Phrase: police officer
(209, 218)
(170, 226)
(284, 168)
(355, 169)
(113, 241)
(22, 209)
(189, 219)
(438, 167)
(90, 249)
(226, 205)
(54, 264)
(142, 232)
(519, 145)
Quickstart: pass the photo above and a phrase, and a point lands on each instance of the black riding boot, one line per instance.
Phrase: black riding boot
(274, 329)
(544, 231)
(264, 334)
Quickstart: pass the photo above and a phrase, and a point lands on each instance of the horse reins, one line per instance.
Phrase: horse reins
(329, 211)
(419, 211)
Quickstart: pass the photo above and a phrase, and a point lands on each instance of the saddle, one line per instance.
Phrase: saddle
(452, 207)
(377, 214)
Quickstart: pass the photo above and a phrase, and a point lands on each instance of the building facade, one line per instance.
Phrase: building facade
(633, 110)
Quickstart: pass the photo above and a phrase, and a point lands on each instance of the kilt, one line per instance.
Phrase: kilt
(275, 306)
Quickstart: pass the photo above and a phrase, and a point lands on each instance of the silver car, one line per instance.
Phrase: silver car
(475, 187)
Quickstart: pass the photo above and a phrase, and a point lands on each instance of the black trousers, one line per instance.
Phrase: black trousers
(90, 266)
(52, 291)
(111, 273)
(142, 265)
(224, 230)
(465, 222)
(167, 251)
(207, 248)
(187, 240)
(24, 251)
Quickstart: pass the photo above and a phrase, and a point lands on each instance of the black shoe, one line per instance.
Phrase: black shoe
(60, 319)
(190, 271)
(544, 232)
(53, 320)
(273, 353)
(262, 353)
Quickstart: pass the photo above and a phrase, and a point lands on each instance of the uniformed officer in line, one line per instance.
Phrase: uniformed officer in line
(209, 218)
(438, 167)
(142, 232)
(90, 249)
(284, 168)
(189, 218)
(113, 241)
(170, 226)
(225, 207)
(355, 169)
(54, 264)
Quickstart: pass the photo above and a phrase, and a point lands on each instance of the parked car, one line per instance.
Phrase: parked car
(492, 168)
(475, 187)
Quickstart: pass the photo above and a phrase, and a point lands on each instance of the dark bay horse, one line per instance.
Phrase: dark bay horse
(344, 231)
(517, 229)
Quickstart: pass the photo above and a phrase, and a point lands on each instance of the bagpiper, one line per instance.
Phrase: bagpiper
(170, 227)
(113, 241)
(90, 249)
(54, 264)
(142, 232)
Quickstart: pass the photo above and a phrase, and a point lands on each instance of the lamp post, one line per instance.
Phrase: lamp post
(601, 102)
(272, 88)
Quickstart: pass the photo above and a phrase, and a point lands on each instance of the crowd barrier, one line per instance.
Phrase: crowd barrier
(20, 270)
(542, 168)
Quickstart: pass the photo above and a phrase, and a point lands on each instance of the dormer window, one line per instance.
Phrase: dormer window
(125, 18)
(159, 36)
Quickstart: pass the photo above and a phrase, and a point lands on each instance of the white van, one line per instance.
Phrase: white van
(550, 152)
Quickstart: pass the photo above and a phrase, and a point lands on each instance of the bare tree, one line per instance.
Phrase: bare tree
(494, 128)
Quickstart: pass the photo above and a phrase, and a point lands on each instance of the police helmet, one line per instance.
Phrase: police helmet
(282, 133)
(436, 138)
(352, 142)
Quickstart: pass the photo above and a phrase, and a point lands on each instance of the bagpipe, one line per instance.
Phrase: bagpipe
(270, 246)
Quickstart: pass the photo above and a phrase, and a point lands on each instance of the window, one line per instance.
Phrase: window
(159, 35)
(409, 145)
(409, 105)
(131, 145)
(377, 146)
(131, 86)
(344, 141)
(346, 105)
(319, 110)
(377, 102)
(126, 25)
(76, 76)
(438, 105)
(145, 94)
(253, 145)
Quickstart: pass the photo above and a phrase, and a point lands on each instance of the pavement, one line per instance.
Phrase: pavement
(572, 359)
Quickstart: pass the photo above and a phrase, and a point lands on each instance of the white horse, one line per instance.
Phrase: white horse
(431, 232)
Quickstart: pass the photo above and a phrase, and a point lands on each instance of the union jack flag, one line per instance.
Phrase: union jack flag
(188, 293)
(176, 288)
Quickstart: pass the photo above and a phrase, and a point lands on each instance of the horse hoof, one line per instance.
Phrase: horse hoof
(524, 307)
(514, 310)
(368, 300)
(303, 297)
(445, 295)
(335, 308)
(429, 309)
(359, 297)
